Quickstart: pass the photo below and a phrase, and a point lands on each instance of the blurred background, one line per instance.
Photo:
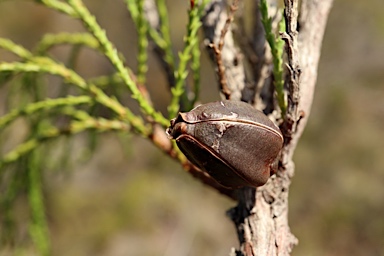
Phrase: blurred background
(134, 200)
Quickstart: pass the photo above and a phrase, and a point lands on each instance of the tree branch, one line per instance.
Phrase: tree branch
(261, 216)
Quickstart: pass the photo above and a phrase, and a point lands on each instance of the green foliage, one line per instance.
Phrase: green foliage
(179, 95)
(81, 105)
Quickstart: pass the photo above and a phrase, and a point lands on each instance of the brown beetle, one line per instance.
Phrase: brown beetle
(235, 143)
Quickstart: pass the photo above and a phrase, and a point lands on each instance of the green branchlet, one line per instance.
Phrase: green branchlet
(16, 49)
(111, 53)
(50, 40)
(160, 35)
(191, 39)
(195, 67)
(277, 47)
(47, 104)
(38, 227)
(136, 8)
(104, 81)
(166, 35)
(59, 6)
(153, 33)
(142, 57)
(45, 65)
(99, 124)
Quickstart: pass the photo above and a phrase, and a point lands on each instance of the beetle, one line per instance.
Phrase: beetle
(233, 142)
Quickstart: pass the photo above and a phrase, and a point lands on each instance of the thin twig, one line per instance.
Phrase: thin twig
(214, 20)
(221, 72)
(233, 8)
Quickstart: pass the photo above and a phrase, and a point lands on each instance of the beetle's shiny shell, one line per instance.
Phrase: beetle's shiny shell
(235, 143)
